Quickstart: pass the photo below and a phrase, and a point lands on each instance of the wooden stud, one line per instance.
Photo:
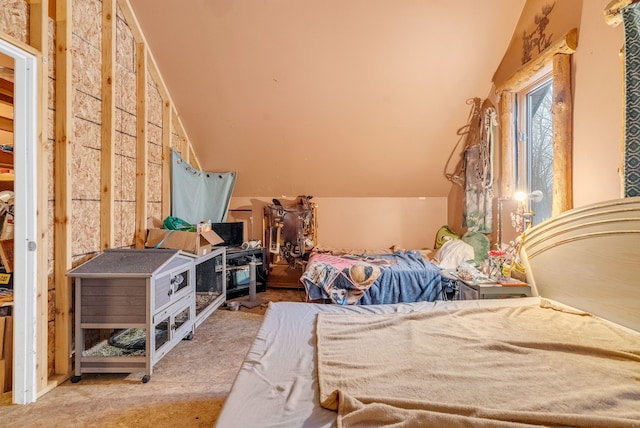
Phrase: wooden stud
(39, 36)
(166, 159)
(141, 146)
(561, 110)
(62, 186)
(107, 159)
(566, 44)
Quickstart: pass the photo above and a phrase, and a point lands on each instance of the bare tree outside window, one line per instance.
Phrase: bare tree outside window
(540, 149)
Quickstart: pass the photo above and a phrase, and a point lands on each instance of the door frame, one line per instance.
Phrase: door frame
(25, 119)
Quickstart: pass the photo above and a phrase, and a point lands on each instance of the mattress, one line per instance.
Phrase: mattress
(277, 384)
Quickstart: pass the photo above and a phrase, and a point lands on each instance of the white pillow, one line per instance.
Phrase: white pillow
(453, 253)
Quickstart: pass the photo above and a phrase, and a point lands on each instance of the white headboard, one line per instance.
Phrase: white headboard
(589, 258)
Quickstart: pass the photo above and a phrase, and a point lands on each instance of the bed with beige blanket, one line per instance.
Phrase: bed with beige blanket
(535, 361)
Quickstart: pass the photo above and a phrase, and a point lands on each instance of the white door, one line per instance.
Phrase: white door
(25, 231)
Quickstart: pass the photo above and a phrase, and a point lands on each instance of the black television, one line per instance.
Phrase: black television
(232, 233)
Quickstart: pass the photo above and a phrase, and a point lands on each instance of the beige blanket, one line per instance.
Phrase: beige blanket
(532, 365)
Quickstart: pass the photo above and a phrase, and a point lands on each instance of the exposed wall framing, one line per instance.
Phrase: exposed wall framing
(62, 188)
(107, 158)
(107, 125)
(141, 146)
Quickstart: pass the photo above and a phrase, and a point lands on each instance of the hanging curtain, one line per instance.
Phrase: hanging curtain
(631, 165)
(199, 195)
(478, 212)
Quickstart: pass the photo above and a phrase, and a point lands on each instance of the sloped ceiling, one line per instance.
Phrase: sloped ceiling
(331, 98)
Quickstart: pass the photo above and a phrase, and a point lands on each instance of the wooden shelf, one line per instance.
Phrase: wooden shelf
(6, 159)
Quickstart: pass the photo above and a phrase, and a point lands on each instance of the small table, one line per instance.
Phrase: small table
(487, 290)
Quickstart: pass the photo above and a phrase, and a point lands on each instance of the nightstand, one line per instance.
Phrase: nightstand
(472, 290)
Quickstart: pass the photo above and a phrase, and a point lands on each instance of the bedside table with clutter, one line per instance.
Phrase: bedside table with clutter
(457, 286)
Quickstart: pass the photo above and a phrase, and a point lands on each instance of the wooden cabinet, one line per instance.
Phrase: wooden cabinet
(131, 308)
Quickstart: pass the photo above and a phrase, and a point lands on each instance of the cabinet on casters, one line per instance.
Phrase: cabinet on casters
(131, 308)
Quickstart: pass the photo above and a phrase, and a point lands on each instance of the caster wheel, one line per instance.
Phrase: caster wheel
(188, 336)
(76, 379)
(146, 378)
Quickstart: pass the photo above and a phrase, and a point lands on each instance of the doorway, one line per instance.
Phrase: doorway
(25, 228)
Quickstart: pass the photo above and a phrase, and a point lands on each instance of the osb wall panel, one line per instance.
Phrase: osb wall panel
(51, 347)
(85, 231)
(51, 60)
(50, 204)
(87, 21)
(125, 67)
(85, 149)
(86, 67)
(14, 16)
(51, 120)
(154, 182)
(86, 107)
(154, 149)
(51, 316)
(126, 211)
(86, 173)
(125, 90)
(154, 103)
(87, 133)
(154, 209)
(128, 171)
(154, 146)
(177, 142)
(51, 295)
(126, 46)
(51, 308)
(125, 133)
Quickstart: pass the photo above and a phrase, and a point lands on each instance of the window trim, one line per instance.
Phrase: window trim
(556, 57)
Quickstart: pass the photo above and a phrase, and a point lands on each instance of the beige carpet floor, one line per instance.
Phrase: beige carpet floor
(187, 388)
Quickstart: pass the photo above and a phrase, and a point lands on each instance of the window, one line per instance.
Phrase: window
(534, 145)
(542, 87)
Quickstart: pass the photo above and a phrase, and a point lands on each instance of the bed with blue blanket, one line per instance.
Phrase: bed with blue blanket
(371, 279)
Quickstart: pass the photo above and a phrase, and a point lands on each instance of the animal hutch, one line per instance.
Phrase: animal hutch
(132, 307)
(210, 282)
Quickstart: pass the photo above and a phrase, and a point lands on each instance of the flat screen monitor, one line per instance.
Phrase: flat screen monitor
(232, 233)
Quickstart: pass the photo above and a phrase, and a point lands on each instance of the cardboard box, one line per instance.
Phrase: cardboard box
(198, 243)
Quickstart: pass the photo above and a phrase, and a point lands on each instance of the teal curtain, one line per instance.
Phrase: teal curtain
(631, 19)
(199, 195)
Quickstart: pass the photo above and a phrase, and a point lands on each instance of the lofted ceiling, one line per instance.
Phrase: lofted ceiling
(331, 98)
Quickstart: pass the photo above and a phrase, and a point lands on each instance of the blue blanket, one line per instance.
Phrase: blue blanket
(372, 279)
